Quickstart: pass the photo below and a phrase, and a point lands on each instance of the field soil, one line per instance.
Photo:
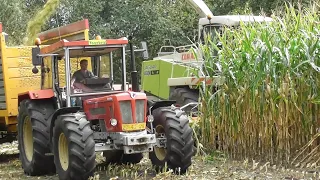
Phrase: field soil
(208, 167)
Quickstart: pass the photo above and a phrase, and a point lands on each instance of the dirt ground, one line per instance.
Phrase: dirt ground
(210, 167)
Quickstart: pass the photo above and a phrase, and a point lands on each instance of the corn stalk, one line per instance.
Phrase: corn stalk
(268, 107)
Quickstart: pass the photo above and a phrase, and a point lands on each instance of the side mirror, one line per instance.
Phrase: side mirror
(36, 59)
(145, 53)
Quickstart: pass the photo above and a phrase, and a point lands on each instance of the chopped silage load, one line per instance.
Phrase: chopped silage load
(9, 148)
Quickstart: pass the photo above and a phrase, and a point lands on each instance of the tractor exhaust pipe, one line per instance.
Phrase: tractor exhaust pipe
(134, 73)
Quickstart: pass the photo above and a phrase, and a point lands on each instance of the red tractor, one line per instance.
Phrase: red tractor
(61, 127)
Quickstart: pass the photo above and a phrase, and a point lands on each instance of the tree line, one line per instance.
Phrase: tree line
(152, 21)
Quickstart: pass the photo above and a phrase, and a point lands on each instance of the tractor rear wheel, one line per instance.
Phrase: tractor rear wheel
(184, 96)
(33, 137)
(174, 126)
(73, 147)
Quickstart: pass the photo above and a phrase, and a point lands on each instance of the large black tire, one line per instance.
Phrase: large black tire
(179, 146)
(118, 157)
(73, 147)
(33, 137)
(183, 96)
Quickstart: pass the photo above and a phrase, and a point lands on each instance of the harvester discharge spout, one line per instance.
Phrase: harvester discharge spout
(201, 8)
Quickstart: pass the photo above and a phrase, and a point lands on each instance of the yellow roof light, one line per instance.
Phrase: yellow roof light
(209, 16)
(37, 42)
(98, 37)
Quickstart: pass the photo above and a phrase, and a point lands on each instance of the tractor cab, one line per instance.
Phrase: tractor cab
(78, 82)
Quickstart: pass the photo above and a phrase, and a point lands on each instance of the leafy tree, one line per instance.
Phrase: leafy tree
(13, 18)
(152, 21)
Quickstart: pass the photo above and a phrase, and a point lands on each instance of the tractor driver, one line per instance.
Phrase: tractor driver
(80, 75)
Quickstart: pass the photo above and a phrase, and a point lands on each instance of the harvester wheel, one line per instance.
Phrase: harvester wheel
(118, 157)
(73, 147)
(184, 96)
(174, 125)
(33, 137)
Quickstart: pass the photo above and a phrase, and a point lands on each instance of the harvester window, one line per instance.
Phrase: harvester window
(211, 31)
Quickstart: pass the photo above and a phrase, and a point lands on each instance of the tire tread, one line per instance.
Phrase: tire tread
(39, 112)
(81, 145)
(179, 139)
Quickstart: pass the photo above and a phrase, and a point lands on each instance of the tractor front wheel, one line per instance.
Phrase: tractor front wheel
(33, 137)
(73, 147)
(174, 126)
(184, 96)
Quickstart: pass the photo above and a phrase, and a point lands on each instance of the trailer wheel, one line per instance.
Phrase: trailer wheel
(174, 125)
(73, 147)
(183, 96)
(33, 137)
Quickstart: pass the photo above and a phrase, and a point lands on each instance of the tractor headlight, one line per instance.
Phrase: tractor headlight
(126, 112)
(150, 118)
(140, 110)
(113, 122)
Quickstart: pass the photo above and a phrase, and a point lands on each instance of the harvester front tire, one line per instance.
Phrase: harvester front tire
(183, 96)
(73, 147)
(179, 145)
(33, 137)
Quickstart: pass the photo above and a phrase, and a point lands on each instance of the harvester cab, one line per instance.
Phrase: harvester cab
(63, 124)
